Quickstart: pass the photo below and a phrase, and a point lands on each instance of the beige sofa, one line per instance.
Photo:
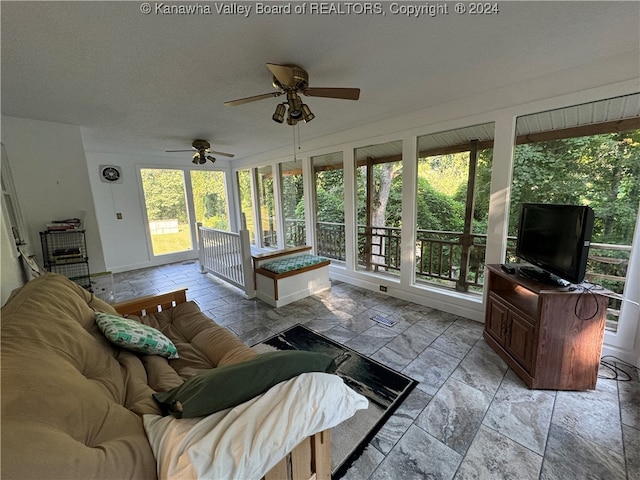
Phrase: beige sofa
(72, 402)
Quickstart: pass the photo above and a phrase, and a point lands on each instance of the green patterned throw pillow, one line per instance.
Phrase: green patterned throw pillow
(135, 336)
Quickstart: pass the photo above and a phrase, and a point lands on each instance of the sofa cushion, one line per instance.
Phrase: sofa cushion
(202, 343)
(292, 263)
(135, 336)
(71, 400)
(225, 387)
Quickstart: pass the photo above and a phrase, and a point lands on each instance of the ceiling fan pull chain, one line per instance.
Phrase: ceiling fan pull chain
(294, 144)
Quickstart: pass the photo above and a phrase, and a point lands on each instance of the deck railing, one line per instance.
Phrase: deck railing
(227, 255)
(441, 258)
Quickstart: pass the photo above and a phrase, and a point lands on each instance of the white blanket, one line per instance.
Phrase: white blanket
(246, 441)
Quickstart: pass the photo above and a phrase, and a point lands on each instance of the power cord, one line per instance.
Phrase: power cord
(619, 375)
(584, 289)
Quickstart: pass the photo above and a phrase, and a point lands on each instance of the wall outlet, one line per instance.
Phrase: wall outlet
(119, 216)
(383, 288)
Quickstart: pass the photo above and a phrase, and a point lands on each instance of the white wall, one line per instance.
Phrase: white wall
(49, 170)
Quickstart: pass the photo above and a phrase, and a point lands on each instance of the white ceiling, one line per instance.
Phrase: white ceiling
(140, 83)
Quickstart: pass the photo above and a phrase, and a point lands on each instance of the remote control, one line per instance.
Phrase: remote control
(508, 269)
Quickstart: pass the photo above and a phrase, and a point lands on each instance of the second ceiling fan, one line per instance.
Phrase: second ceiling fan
(202, 153)
(293, 80)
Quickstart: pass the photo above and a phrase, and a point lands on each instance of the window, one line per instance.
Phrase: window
(166, 204)
(452, 206)
(293, 203)
(328, 173)
(379, 206)
(267, 208)
(562, 158)
(210, 199)
(245, 189)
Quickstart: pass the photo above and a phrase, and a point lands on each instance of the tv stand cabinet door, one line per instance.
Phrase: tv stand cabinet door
(496, 321)
(521, 341)
(513, 332)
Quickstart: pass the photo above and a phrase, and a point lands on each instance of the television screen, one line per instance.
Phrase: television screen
(555, 238)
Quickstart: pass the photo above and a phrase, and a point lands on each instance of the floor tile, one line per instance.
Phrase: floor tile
(570, 456)
(467, 396)
(454, 414)
(629, 393)
(631, 438)
(495, 457)
(400, 421)
(413, 341)
(482, 368)
(457, 341)
(418, 456)
(521, 414)
(592, 415)
(431, 369)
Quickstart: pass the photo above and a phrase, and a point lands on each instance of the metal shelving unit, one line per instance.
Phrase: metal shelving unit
(65, 252)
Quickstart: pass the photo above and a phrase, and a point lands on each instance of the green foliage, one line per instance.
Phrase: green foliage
(436, 210)
(388, 206)
(446, 173)
(601, 171)
(329, 197)
(164, 194)
(209, 199)
(293, 196)
(246, 202)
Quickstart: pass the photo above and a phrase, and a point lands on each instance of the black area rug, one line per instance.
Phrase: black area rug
(384, 388)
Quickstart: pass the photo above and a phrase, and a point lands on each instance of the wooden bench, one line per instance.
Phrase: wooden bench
(284, 276)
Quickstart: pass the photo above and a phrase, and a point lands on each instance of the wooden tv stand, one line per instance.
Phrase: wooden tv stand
(548, 335)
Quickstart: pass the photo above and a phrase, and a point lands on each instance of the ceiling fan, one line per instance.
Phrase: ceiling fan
(202, 151)
(293, 80)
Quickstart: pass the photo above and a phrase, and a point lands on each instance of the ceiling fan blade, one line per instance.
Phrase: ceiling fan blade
(341, 93)
(173, 151)
(283, 73)
(230, 155)
(240, 101)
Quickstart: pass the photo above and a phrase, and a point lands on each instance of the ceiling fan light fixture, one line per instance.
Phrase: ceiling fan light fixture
(291, 121)
(278, 115)
(211, 159)
(307, 114)
(295, 106)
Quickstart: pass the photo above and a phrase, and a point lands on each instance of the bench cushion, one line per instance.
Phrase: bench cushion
(293, 263)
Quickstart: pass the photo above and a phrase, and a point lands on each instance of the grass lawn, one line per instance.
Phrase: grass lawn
(164, 243)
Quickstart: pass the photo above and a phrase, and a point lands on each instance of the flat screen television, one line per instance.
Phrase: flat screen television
(556, 239)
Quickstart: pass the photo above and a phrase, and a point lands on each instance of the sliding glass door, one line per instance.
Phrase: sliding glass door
(166, 206)
(175, 199)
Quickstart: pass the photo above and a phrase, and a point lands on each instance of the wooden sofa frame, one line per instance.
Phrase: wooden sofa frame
(281, 288)
(309, 460)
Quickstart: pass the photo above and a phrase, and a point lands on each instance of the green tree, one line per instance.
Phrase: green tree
(164, 194)
(209, 198)
(329, 197)
(601, 171)
(436, 210)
